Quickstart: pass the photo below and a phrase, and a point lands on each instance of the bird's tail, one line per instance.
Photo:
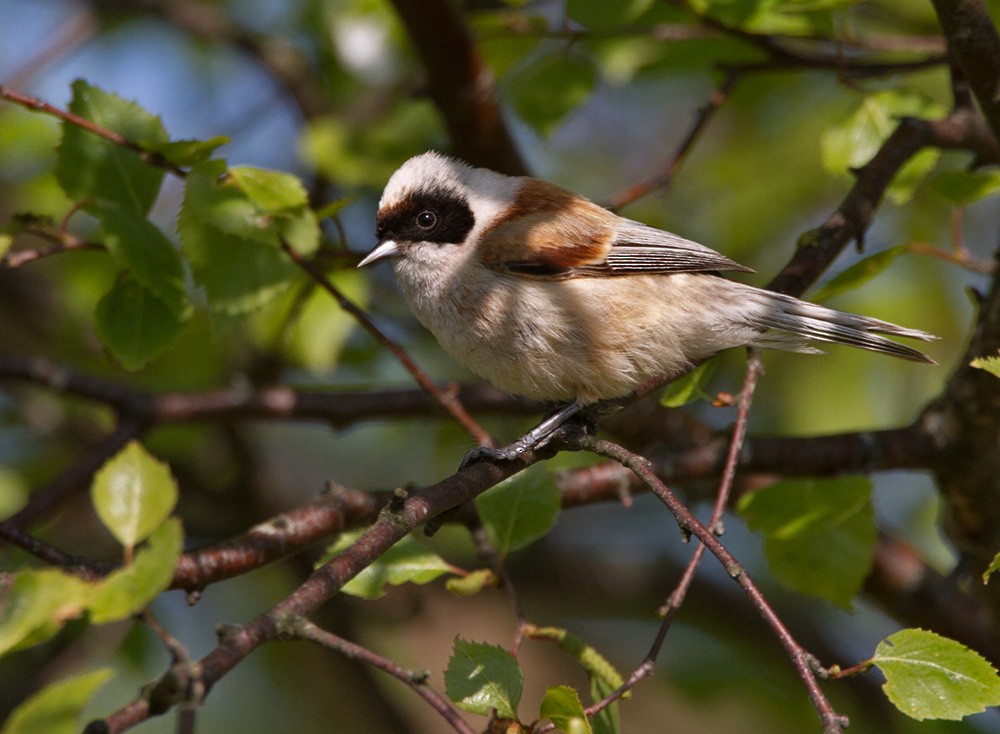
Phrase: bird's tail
(790, 324)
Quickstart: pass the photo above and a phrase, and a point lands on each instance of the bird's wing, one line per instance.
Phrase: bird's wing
(552, 233)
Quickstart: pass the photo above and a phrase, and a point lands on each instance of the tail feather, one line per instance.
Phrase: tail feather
(798, 322)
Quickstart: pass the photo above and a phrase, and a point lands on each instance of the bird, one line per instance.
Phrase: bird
(547, 295)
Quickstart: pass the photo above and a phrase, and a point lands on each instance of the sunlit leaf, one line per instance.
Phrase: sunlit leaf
(471, 583)
(858, 274)
(990, 364)
(689, 387)
(133, 494)
(130, 589)
(481, 677)
(992, 569)
(408, 561)
(57, 708)
(597, 666)
(961, 188)
(91, 167)
(562, 707)
(519, 510)
(604, 14)
(933, 677)
(37, 605)
(185, 152)
(819, 534)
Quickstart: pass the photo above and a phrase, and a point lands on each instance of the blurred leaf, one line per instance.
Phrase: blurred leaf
(598, 14)
(6, 241)
(135, 324)
(607, 720)
(819, 534)
(597, 666)
(932, 677)
(185, 152)
(501, 48)
(788, 17)
(562, 707)
(57, 708)
(962, 188)
(90, 167)
(548, 88)
(857, 274)
(481, 677)
(690, 387)
(990, 364)
(854, 142)
(37, 605)
(131, 589)
(14, 491)
(408, 561)
(519, 510)
(133, 494)
(333, 209)
(472, 583)
(150, 257)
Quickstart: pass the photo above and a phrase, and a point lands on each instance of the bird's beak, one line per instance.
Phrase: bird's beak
(389, 248)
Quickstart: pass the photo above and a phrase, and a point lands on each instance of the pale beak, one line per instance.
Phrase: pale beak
(389, 248)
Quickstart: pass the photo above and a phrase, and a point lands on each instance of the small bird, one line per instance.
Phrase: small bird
(545, 294)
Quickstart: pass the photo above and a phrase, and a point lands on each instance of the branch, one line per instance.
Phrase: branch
(460, 84)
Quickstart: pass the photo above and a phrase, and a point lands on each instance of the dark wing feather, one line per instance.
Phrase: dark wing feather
(639, 248)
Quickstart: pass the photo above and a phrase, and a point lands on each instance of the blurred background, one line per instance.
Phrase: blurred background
(331, 90)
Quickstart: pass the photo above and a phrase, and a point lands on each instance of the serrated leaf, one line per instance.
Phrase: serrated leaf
(135, 324)
(271, 192)
(408, 561)
(858, 274)
(562, 707)
(128, 590)
(185, 152)
(819, 534)
(150, 257)
(993, 568)
(933, 677)
(962, 188)
(133, 494)
(37, 605)
(519, 510)
(854, 142)
(689, 387)
(57, 708)
(90, 167)
(481, 677)
(546, 90)
(990, 364)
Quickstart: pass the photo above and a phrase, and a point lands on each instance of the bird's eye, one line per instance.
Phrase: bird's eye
(426, 219)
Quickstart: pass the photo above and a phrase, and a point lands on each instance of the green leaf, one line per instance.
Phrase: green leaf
(481, 677)
(150, 257)
(271, 192)
(233, 248)
(135, 324)
(133, 494)
(57, 709)
(853, 143)
(600, 14)
(990, 364)
(962, 188)
(596, 665)
(819, 534)
(689, 387)
(932, 677)
(91, 167)
(185, 152)
(545, 91)
(14, 491)
(130, 589)
(858, 274)
(785, 17)
(472, 583)
(37, 605)
(519, 510)
(408, 561)
(993, 568)
(562, 707)
(607, 720)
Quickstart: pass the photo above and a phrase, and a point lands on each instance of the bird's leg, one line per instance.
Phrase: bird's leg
(533, 439)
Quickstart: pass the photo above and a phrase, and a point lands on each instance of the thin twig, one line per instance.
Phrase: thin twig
(447, 398)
